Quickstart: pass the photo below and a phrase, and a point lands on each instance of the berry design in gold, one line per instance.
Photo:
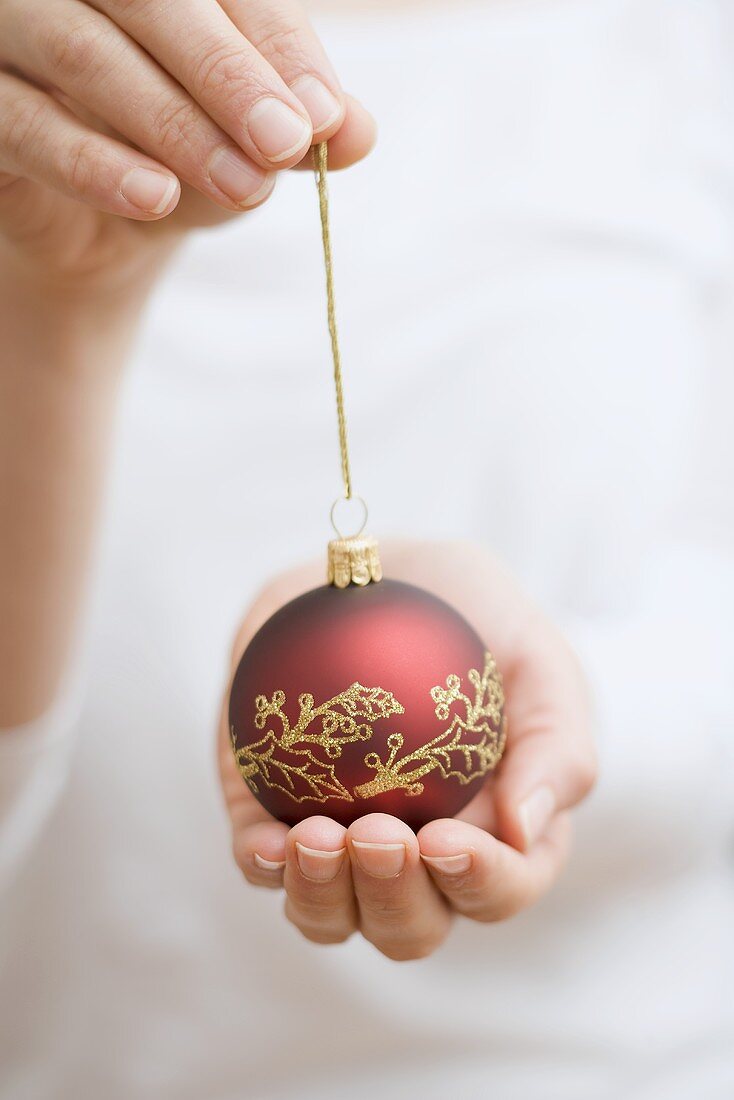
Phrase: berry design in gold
(299, 760)
(470, 747)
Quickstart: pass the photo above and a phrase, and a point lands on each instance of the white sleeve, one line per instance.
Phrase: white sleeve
(662, 683)
(34, 765)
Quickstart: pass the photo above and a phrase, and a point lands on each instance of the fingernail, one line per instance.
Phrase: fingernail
(322, 105)
(449, 865)
(319, 866)
(380, 860)
(240, 180)
(535, 813)
(277, 131)
(268, 864)
(149, 191)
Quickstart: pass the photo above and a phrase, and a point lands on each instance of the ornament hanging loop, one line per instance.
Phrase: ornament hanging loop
(333, 516)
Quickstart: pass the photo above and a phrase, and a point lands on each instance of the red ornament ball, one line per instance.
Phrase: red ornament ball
(362, 699)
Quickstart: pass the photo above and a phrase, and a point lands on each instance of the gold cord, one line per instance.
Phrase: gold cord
(320, 157)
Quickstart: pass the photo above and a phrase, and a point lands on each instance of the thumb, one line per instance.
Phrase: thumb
(543, 774)
(550, 761)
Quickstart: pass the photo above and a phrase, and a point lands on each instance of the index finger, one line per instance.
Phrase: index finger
(549, 764)
(198, 44)
(283, 35)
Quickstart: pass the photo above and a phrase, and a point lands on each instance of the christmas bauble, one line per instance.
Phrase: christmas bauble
(372, 697)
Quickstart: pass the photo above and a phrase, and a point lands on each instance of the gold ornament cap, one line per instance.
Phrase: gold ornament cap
(354, 561)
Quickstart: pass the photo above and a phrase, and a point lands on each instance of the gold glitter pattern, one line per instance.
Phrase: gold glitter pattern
(287, 757)
(296, 772)
(469, 748)
(282, 757)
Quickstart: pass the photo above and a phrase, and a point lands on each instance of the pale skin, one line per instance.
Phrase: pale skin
(124, 124)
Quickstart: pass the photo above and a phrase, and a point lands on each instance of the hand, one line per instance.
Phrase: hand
(503, 852)
(116, 113)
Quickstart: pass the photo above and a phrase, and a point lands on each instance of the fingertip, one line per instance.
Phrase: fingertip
(381, 829)
(362, 122)
(444, 836)
(261, 850)
(355, 138)
(382, 846)
(325, 107)
(447, 849)
(319, 834)
(454, 849)
(149, 194)
(280, 132)
(263, 195)
(350, 140)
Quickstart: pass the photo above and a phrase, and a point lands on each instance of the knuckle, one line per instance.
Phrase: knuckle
(139, 12)
(221, 70)
(74, 47)
(25, 127)
(387, 909)
(281, 39)
(316, 927)
(81, 163)
(174, 121)
(458, 885)
(124, 7)
(314, 910)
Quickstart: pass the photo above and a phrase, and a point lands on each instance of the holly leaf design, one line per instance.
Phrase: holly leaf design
(359, 701)
(345, 718)
(340, 717)
(462, 759)
(294, 771)
(469, 748)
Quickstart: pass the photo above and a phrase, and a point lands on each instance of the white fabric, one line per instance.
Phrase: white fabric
(34, 767)
(534, 277)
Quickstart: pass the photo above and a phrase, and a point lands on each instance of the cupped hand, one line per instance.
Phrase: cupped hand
(503, 852)
(115, 113)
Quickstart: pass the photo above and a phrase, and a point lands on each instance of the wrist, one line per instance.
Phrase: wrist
(74, 326)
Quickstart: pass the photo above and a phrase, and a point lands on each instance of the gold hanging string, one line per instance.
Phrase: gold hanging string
(320, 157)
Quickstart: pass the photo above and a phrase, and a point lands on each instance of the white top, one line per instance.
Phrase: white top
(533, 274)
